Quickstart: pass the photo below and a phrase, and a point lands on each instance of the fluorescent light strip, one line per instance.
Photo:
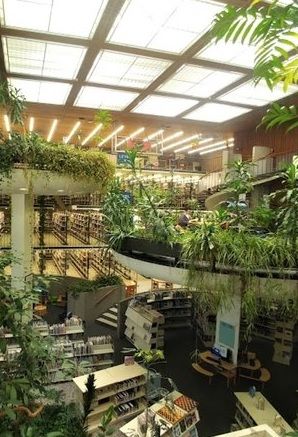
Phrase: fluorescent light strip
(6, 122)
(52, 129)
(171, 137)
(218, 143)
(92, 133)
(131, 136)
(31, 124)
(183, 148)
(193, 137)
(115, 132)
(213, 150)
(155, 134)
(74, 129)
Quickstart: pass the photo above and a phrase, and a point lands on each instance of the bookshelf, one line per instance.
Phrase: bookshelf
(60, 223)
(80, 261)
(80, 226)
(257, 410)
(285, 336)
(205, 327)
(175, 306)
(123, 386)
(144, 327)
(96, 226)
(60, 260)
(176, 416)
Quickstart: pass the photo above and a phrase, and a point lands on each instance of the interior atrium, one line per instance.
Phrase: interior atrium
(148, 218)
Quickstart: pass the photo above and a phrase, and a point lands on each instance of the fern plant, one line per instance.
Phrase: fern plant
(272, 30)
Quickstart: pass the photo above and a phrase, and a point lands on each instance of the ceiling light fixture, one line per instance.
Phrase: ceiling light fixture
(213, 150)
(183, 148)
(218, 143)
(92, 133)
(52, 129)
(177, 143)
(131, 136)
(155, 134)
(74, 129)
(6, 122)
(201, 142)
(31, 124)
(115, 132)
(171, 137)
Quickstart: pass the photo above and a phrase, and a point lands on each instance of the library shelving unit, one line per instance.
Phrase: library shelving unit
(285, 336)
(59, 258)
(60, 226)
(96, 228)
(100, 262)
(257, 410)
(80, 260)
(176, 307)
(144, 327)
(79, 226)
(123, 386)
(156, 284)
(96, 353)
(176, 415)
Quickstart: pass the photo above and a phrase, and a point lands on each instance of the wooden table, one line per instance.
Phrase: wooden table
(228, 370)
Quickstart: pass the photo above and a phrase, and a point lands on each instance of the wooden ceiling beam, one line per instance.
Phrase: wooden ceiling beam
(104, 26)
(44, 36)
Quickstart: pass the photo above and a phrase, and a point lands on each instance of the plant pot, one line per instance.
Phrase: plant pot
(151, 248)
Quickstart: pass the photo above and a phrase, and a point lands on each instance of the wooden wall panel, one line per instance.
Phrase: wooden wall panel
(279, 141)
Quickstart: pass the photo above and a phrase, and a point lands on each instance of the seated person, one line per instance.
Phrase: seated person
(183, 220)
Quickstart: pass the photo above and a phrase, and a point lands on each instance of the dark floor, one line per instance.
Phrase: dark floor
(216, 401)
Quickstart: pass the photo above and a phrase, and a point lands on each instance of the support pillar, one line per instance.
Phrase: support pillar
(228, 326)
(228, 157)
(263, 163)
(22, 214)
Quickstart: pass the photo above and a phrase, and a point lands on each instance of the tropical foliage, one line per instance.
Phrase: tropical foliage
(272, 29)
(36, 153)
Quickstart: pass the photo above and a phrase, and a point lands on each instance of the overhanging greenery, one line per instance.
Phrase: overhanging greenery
(35, 152)
(272, 29)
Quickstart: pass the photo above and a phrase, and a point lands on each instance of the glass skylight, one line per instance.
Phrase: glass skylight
(42, 59)
(258, 95)
(165, 25)
(166, 106)
(42, 91)
(229, 53)
(199, 82)
(216, 112)
(93, 97)
(128, 70)
(65, 17)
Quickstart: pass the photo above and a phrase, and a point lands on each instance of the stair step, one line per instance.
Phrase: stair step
(109, 315)
(113, 310)
(106, 322)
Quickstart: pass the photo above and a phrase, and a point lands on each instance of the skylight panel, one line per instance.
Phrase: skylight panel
(167, 25)
(42, 59)
(65, 17)
(42, 91)
(229, 53)
(216, 112)
(93, 97)
(258, 95)
(127, 70)
(164, 106)
(199, 82)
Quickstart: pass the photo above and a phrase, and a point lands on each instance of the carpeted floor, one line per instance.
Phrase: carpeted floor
(216, 401)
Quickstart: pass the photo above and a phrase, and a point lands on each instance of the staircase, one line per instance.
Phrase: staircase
(110, 317)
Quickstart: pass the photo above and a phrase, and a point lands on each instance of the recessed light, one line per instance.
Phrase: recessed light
(60, 191)
(23, 189)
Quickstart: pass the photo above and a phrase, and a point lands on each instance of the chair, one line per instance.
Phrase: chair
(203, 371)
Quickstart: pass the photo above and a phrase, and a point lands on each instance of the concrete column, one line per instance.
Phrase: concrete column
(22, 215)
(228, 157)
(228, 326)
(263, 163)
